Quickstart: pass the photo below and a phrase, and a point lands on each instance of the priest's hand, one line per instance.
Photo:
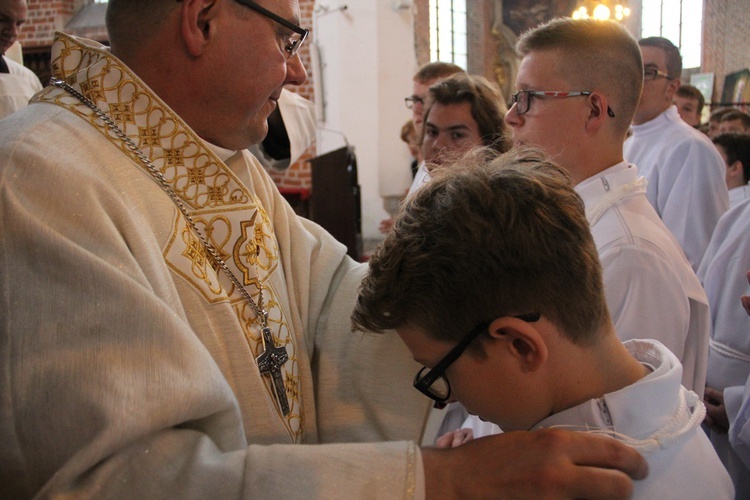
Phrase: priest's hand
(716, 412)
(550, 463)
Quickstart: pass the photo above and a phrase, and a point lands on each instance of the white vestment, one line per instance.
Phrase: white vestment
(686, 178)
(738, 195)
(128, 357)
(649, 284)
(724, 276)
(661, 419)
(16, 87)
(739, 421)
(420, 178)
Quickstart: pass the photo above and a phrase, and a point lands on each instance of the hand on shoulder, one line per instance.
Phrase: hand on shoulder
(549, 463)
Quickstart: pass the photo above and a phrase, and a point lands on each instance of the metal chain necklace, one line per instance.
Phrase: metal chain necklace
(273, 356)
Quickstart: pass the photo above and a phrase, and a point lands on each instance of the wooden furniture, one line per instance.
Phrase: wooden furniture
(335, 201)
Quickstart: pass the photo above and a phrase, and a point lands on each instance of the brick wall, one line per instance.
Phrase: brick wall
(726, 30)
(45, 17)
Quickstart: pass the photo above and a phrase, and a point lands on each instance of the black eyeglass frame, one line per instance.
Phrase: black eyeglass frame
(550, 93)
(656, 73)
(413, 100)
(423, 384)
(275, 17)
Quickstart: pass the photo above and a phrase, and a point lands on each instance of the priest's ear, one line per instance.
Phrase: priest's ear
(197, 24)
(520, 342)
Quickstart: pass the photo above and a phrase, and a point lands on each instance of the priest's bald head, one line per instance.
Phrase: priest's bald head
(219, 64)
(12, 16)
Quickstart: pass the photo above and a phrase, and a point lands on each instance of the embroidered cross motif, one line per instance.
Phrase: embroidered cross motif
(270, 362)
(196, 175)
(215, 194)
(149, 136)
(173, 158)
(121, 112)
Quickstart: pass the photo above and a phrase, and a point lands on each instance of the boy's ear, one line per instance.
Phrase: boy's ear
(197, 24)
(522, 341)
(735, 169)
(598, 110)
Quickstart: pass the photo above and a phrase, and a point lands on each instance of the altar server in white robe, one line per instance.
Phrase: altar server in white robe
(723, 273)
(579, 114)
(737, 419)
(171, 328)
(684, 171)
(734, 149)
(17, 82)
(491, 278)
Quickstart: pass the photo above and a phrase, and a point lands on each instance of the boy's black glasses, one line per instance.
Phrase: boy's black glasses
(433, 383)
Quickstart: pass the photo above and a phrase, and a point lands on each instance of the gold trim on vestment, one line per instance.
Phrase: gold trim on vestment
(230, 217)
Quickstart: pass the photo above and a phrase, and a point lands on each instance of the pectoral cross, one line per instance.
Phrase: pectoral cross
(270, 362)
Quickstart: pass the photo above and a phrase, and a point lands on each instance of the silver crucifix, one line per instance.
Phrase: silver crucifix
(270, 362)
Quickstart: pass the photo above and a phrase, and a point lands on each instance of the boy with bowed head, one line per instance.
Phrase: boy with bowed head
(492, 280)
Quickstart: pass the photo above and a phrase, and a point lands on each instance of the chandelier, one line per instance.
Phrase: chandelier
(602, 9)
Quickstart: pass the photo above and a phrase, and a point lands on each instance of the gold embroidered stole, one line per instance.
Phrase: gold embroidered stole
(230, 217)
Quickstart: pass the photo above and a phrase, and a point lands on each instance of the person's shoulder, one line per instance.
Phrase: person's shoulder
(735, 220)
(42, 131)
(633, 234)
(27, 121)
(688, 146)
(17, 69)
(633, 219)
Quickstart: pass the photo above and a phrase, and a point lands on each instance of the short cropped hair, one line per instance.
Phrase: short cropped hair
(736, 148)
(595, 56)
(436, 70)
(736, 114)
(488, 107)
(690, 92)
(129, 20)
(484, 239)
(673, 57)
(717, 114)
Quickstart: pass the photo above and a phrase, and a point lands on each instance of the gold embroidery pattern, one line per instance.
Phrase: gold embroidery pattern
(148, 137)
(122, 113)
(230, 218)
